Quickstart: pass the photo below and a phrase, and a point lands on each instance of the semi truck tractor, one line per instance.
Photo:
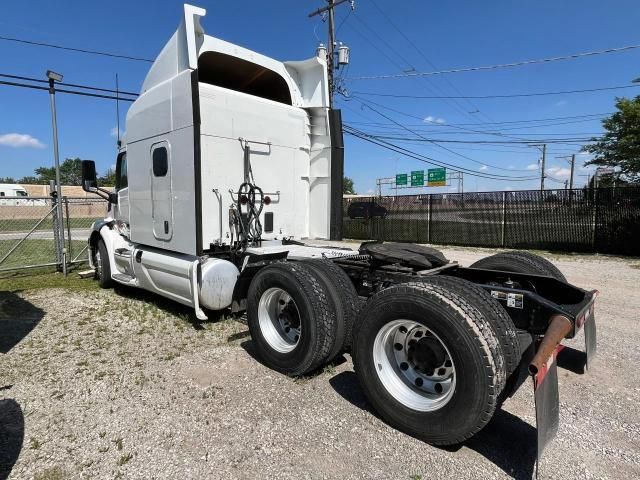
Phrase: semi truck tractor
(231, 162)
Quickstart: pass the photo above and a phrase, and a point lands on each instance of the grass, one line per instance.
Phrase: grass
(34, 252)
(21, 281)
(53, 473)
(124, 459)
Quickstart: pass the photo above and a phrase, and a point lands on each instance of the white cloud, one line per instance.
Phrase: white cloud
(559, 171)
(20, 140)
(432, 119)
(532, 166)
(483, 168)
(114, 132)
(561, 103)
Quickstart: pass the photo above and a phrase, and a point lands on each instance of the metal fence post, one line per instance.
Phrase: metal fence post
(57, 226)
(504, 218)
(596, 200)
(68, 252)
(429, 219)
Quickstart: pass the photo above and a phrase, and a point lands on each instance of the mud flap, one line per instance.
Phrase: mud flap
(590, 339)
(545, 389)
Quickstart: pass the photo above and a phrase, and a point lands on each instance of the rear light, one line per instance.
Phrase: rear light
(267, 200)
(243, 199)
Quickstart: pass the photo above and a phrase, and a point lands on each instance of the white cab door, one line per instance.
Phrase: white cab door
(161, 194)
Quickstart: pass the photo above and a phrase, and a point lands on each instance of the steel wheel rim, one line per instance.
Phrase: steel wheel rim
(405, 354)
(279, 320)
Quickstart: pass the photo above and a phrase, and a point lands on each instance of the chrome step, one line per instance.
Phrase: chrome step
(122, 252)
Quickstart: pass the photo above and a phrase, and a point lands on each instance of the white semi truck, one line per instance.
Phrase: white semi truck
(231, 161)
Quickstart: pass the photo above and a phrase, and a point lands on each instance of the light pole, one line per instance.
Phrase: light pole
(60, 248)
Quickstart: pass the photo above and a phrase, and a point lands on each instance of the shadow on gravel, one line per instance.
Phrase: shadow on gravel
(17, 319)
(507, 441)
(11, 435)
(169, 306)
(249, 347)
(347, 386)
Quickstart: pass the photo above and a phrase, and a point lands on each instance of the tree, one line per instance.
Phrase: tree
(7, 180)
(108, 179)
(620, 144)
(347, 186)
(70, 173)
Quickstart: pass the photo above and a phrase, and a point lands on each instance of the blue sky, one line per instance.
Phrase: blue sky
(450, 34)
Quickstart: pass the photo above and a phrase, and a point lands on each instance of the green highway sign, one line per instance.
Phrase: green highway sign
(401, 179)
(417, 178)
(437, 177)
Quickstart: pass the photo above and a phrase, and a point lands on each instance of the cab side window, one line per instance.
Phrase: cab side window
(122, 180)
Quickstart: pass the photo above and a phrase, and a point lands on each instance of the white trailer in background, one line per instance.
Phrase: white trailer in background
(231, 160)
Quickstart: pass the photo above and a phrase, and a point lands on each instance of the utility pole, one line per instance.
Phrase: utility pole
(543, 161)
(573, 164)
(544, 158)
(332, 4)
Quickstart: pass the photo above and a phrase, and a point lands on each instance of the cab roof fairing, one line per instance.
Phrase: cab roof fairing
(307, 79)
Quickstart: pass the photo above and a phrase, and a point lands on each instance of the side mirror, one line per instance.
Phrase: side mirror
(89, 178)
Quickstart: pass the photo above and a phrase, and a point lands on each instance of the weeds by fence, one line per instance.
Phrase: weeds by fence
(605, 220)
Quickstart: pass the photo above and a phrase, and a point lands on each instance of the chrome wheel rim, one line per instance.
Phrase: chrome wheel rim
(279, 320)
(414, 365)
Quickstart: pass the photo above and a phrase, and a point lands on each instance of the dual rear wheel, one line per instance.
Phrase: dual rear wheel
(301, 314)
(432, 356)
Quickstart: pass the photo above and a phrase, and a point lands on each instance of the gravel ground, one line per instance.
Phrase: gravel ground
(121, 384)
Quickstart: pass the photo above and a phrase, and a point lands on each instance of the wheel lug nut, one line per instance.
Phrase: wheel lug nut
(398, 346)
(404, 366)
(419, 382)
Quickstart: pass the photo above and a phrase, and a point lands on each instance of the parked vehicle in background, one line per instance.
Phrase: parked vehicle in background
(14, 194)
(366, 210)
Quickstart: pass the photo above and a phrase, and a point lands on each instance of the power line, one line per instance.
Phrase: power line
(367, 102)
(428, 83)
(499, 66)
(61, 90)
(505, 122)
(426, 59)
(73, 49)
(513, 95)
(438, 145)
(84, 87)
(429, 160)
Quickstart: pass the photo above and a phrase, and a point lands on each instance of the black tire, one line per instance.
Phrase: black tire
(103, 267)
(317, 320)
(345, 295)
(470, 342)
(520, 262)
(503, 327)
(541, 263)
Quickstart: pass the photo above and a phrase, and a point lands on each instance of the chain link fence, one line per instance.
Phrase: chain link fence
(606, 220)
(31, 236)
